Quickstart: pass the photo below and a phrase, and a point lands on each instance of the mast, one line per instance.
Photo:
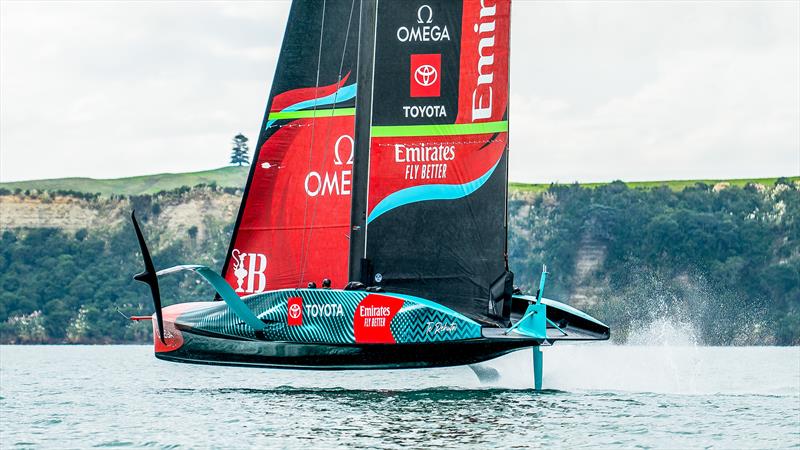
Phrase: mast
(359, 265)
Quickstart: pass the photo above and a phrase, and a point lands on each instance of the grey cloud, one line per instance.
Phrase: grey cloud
(600, 90)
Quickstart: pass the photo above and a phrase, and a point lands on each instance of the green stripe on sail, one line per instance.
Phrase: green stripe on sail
(284, 115)
(440, 130)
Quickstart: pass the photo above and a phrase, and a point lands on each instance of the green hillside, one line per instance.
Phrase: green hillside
(674, 185)
(724, 261)
(236, 176)
(233, 176)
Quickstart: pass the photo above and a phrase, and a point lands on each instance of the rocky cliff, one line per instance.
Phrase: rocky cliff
(709, 253)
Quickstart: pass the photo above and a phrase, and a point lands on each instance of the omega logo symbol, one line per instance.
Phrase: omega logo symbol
(294, 311)
(419, 14)
(426, 75)
(337, 159)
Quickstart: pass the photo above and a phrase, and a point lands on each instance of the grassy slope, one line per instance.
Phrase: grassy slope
(675, 185)
(236, 176)
(146, 184)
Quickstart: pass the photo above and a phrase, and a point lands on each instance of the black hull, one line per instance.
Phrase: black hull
(203, 349)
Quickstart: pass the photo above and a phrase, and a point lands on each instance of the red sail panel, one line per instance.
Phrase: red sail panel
(405, 162)
(293, 224)
(484, 71)
(298, 213)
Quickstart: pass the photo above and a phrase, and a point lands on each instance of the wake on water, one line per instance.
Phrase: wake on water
(661, 359)
(597, 395)
(654, 307)
(662, 347)
(661, 390)
(663, 356)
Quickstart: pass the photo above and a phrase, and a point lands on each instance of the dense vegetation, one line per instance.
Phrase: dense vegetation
(725, 260)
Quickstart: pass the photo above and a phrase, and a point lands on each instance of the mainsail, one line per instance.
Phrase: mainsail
(409, 194)
(293, 225)
(434, 214)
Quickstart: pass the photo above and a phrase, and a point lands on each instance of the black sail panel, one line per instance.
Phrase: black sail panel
(438, 154)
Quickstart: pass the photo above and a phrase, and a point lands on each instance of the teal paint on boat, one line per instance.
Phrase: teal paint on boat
(562, 306)
(542, 280)
(534, 322)
(571, 310)
(434, 305)
(231, 299)
(538, 368)
(432, 322)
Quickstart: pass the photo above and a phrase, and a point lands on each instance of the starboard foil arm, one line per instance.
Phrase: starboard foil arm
(552, 320)
(533, 327)
(150, 277)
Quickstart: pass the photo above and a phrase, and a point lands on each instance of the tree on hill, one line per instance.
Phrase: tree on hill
(239, 154)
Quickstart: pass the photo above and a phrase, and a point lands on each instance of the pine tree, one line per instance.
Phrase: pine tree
(239, 154)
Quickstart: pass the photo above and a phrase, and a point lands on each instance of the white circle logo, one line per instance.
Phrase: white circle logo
(426, 75)
(378, 278)
(295, 311)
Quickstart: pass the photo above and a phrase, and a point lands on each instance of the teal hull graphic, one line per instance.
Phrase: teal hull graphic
(336, 329)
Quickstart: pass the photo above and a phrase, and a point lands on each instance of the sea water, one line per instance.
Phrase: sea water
(597, 395)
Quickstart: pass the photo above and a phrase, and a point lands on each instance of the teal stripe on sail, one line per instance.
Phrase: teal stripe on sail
(428, 192)
(291, 112)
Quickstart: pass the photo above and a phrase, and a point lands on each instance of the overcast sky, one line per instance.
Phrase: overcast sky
(600, 90)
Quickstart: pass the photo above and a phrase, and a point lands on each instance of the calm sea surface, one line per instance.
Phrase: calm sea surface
(599, 396)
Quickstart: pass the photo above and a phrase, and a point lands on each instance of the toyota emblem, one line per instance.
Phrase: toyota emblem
(294, 311)
(425, 75)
